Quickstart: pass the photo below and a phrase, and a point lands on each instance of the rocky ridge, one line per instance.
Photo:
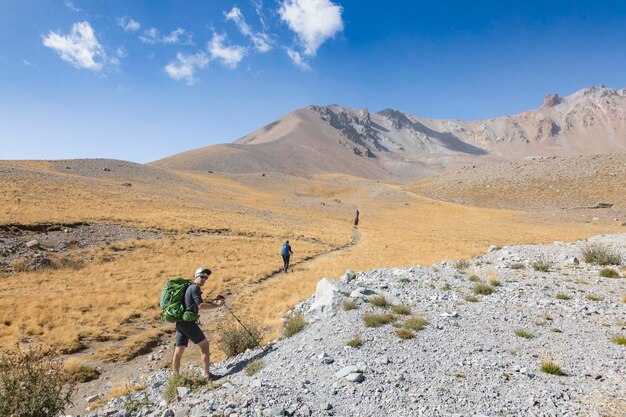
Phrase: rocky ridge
(469, 359)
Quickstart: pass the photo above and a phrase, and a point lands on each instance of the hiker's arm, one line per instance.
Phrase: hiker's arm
(211, 304)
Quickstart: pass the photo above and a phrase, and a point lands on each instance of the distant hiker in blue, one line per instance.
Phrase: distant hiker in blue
(356, 218)
(286, 252)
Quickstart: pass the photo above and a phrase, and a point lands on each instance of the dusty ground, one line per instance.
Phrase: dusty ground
(106, 309)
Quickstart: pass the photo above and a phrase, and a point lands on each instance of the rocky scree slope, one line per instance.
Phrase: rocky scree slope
(469, 359)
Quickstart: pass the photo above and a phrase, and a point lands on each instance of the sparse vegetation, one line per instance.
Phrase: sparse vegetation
(549, 367)
(404, 280)
(33, 383)
(462, 264)
(349, 304)
(555, 330)
(80, 372)
(293, 324)
(592, 297)
(471, 298)
(446, 287)
(415, 323)
(619, 339)
(542, 265)
(562, 296)
(378, 301)
(355, 341)
(235, 339)
(517, 265)
(474, 278)
(482, 289)
(405, 333)
(375, 320)
(187, 378)
(524, 334)
(609, 273)
(600, 255)
(494, 282)
(402, 310)
(254, 367)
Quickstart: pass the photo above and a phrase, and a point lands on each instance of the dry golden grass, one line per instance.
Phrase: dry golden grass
(116, 301)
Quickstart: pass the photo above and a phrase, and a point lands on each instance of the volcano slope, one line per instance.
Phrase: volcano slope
(104, 307)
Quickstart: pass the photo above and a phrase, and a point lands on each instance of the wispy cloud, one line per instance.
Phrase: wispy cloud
(128, 24)
(297, 59)
(261, 40)
(119, 54)
(230, 56)
(80, 48)
(177, 36)
(184, 67)
(70, 5)
(313, 21)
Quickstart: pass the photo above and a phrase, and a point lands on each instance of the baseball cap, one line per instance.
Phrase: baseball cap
(202, 272)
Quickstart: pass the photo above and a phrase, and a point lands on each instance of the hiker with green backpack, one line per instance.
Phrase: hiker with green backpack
(181, 301)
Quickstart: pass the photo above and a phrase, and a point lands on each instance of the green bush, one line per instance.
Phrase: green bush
(33, 383)
(600, 255)
(482, 289)
(375, 320)
(561, 296)
(517, 265)
(415, 323)
(551, 368)
(474, 278)
(471, 298)
(524, 334)
(293, 324)
(619, 340)
(254, 367)
(378, 301)
(609, 273)
(189, 378)
(235, 339)
(542, 265)
(355, 341)
(348, 305)
(402, 310)
(462, 264)
(405, 334)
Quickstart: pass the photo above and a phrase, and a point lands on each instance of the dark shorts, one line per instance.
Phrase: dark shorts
(186, 330)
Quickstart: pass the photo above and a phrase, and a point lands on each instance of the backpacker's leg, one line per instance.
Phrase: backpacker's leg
(206, 357)
(178, 354)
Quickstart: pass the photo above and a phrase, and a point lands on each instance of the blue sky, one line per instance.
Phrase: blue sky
(141, 79)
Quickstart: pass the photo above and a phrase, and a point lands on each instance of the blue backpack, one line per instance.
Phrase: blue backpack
(285, 250)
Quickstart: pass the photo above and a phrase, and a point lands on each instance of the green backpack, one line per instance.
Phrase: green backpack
(172, 298)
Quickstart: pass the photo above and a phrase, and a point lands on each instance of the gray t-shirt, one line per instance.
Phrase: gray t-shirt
(193, 298)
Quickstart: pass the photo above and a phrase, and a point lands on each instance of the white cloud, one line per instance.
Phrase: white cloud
(313, 21)
(297, 59)
(261, 41)
(80, 48)
(119, 54)
(184, 68)
(230, 56)
(128, 24)
(70, 5)
(177, 36)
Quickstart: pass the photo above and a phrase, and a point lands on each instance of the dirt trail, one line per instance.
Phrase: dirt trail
(356, 237)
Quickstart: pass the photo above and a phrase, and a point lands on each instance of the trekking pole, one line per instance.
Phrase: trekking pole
(236, 318)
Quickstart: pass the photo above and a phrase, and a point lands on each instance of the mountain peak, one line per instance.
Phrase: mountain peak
(552, 100)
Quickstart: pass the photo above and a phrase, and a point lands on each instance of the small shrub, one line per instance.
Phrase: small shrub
(293, 324)
(462, 264)
(551, 368)
(542, 265)
(619, 339)
(494, 282)
(254, 367)
(84, 373)
(191, 379)
(561, 296)
(378, 301)
(235, 339)
(133, 405)
(375, 320)
(446, 287)
(609, 273)
(347, 305)
(471, 298)
(415, 323)
(592, 297)
(34, 383)
(405, 334)
(517, 265)
(524, 334)
(404, 280)
(600, 255)
(355, 341)
(474, 278)
(555, 330)
(483, 289)
(402, 310)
